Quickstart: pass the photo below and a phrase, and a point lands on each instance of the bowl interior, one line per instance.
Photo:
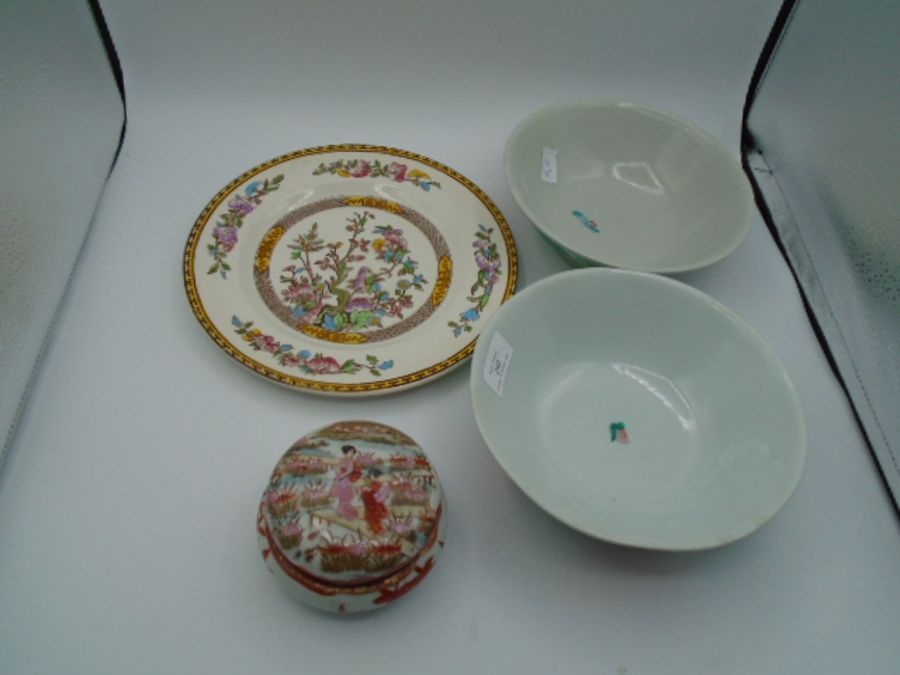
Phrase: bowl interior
(636, 187)
(638, 410)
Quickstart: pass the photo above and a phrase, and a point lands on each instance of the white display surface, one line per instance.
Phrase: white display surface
(128, 501)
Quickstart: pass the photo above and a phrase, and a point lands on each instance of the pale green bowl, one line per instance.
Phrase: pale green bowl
(714, 440)
(625, 185)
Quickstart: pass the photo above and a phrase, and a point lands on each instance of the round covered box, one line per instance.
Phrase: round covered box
(353, 517)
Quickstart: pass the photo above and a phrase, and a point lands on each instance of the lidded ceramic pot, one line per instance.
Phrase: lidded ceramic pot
(353, 517)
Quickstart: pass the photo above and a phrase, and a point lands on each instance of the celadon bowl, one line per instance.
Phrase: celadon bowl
(625, 185)
(638, 410)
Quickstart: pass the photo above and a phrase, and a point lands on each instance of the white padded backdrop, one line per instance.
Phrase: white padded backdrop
(127, 540)
(60, 122)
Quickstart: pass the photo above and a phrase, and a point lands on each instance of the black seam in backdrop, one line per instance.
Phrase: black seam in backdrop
(749, 145)
(116, 67)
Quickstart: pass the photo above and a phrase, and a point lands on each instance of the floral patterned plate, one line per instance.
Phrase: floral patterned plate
(349, 269)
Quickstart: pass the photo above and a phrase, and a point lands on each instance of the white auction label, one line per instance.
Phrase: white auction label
(495, 365)
(548, 165)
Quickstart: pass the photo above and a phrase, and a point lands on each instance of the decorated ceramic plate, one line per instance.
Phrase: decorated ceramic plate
(349, 269)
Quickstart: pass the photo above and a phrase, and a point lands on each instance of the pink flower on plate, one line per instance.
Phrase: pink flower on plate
(395, 237)
(361, 169)
(268, 343)
(226, 236)
(399, 305)
(241, 205)
(486, 265)
(322, 365)
(397, 171)
(313, 314)
(299, 292)
(359, 304)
